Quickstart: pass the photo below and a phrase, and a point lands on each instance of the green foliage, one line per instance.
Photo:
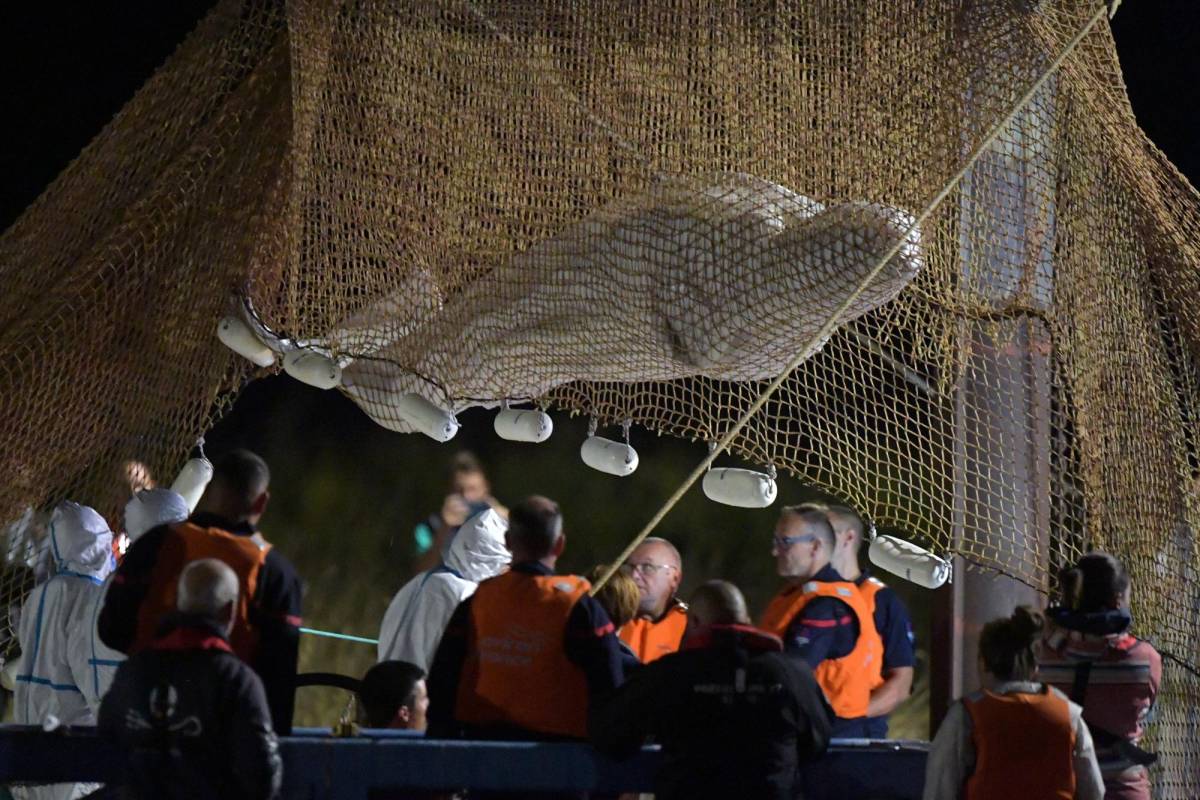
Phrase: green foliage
(347, 494)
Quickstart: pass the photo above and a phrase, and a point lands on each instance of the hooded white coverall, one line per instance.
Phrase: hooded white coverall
(420, 611)
(147, 509)
(54, 656)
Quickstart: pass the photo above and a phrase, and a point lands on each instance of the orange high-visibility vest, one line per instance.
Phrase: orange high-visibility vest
(846, 681)
(869, 589)
(1024, 746)
(652, 639)
(185, 542)
(517, 671)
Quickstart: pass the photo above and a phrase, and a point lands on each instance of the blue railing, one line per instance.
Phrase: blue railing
(318, 767)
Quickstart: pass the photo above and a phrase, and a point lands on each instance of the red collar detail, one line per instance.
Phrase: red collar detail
(1124, 641)
(191, 639)
(746, 635)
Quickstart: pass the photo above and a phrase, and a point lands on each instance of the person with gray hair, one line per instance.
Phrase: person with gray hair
(208, 588)
(661, 621)
(192, 716)
(735, 716)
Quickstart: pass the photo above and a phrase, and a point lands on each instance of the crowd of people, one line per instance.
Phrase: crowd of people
(186, 652)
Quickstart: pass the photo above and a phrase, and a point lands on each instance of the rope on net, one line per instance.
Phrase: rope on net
(827, 329)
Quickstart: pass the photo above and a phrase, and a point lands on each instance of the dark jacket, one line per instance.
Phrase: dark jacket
(734, 716)
(193, 719)
(274, 611)
(589, 641)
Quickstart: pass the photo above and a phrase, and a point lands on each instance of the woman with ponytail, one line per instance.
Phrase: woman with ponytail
(1015, 738)
(1089, 654)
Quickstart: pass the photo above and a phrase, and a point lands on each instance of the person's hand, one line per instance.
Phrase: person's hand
(455, 510)
(137, 476)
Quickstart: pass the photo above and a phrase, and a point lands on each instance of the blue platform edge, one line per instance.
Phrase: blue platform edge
(320, 767)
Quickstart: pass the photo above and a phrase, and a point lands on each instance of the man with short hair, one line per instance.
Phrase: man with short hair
(524, 656)
(266, 628)
(393, 695)
(470, 493)
(734, 715)
(823, 618)
(890, 616)
(191, 715)
(661, 620)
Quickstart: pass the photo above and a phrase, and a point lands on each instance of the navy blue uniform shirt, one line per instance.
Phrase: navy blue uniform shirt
(895, 629)
(825, 629)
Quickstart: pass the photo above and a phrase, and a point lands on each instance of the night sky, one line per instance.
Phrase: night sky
(68, 67)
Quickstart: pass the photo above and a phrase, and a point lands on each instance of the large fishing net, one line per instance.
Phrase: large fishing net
(942, 210)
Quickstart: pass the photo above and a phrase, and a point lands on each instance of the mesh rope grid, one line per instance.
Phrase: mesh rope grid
(831, 323)
(646, 212)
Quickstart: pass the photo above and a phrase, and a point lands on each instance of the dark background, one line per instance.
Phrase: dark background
(346, 493)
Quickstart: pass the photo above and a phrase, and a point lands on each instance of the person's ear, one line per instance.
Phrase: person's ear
(260, 503)
(225, 615)
(560, 544)
(403, 715)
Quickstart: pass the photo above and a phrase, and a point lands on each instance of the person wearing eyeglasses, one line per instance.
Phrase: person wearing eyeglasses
(824, 619)
(661, 619)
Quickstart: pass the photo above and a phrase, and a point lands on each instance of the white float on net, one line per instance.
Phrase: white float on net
(315, 369)
(523, 425)
(743, 488)
(192, 480)
(432, 420)
(605, 455)
(235, 334)
(910, 562)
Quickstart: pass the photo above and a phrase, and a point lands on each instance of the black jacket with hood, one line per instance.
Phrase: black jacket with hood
(193, 719)
(734, 715)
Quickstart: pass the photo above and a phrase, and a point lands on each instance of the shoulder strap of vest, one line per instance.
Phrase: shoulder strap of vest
(845, 591)
(1103, 738)
(256, 538)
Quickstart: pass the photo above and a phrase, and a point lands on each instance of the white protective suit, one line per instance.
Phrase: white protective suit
(54, 656)
(418, 614)
(147, 509)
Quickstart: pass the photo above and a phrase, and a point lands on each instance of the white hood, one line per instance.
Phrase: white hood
(150, 508)
(476, 551)
(80, 541)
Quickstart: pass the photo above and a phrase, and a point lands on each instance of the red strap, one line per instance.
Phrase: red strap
(752, 638)
(191, 639)
(825, 623)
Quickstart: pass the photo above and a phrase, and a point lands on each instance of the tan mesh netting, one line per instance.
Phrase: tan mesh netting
(643, 211)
